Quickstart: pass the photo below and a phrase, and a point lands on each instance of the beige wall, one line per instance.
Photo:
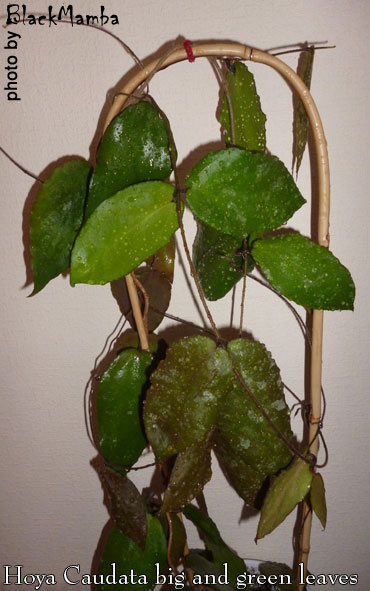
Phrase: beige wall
(52, 510)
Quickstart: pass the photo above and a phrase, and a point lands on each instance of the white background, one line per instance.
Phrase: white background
(52, 510)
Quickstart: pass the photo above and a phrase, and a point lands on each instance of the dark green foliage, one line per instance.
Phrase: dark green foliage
(248, 118)
(240, 192)
(220, 551)
(56, 219)
(304, 272)
(196, 397)
(217, 260)
(127, 506)
(191, 472)
(126, 555)
(300, 121)
(121, 436)
(134, 149)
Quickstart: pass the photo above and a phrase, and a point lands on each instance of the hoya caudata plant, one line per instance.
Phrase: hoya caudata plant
(202, 394)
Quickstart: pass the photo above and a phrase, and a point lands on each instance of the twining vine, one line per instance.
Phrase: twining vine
(202, 394)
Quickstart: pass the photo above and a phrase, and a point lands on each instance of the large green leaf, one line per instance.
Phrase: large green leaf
(289, 488)
(120, 391)
(245, 480)
(182, 403)
(318, 500)
(221, 552)
(127, 506)
(123, 232)
(305, 272)
(300, 120)
(248, 118)
(217, 263)
(127, 556)
(134, 149)
(241, 193)
(247, 446)
(55, 220)
(191, 472)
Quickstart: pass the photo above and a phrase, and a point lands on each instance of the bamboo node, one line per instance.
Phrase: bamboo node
(315, 420)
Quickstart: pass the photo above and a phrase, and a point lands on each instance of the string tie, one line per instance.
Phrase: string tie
(189, 51)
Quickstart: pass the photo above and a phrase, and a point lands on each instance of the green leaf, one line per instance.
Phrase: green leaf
(127, 556)
(217, 263)
(163, 260)
(134, 149)
(182, 402)
(246, 481)
(127, 506)
(191, 472)
(305, 272)
(241, 193)
(55, 220)
(241, 423)
(123, 232)
(121, 388)
(289, 488)
(249, 120)
(203, 568)
(318, 500)
(221, 552)
(300, 120)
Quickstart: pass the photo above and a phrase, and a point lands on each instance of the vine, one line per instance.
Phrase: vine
(201, 394)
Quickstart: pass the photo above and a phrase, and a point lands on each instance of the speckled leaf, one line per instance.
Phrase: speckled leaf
(123, 232)
(221, 552)
(241, 193)
(241, 425)
(127, 507)
(289, 488)
(120, 391)
(318, 500)
(217, 263)
(300, 120)
(246, 481)
(182, 402)
(202, 567)
(249, 120)
(191, 472)
(55, 220)
(127, 556)
(134, 149)
(158, 289)
(304, 272)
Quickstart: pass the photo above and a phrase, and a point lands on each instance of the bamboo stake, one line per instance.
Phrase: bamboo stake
(242, 52)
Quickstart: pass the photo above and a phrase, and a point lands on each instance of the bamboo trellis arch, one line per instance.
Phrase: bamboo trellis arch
(243, 52)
